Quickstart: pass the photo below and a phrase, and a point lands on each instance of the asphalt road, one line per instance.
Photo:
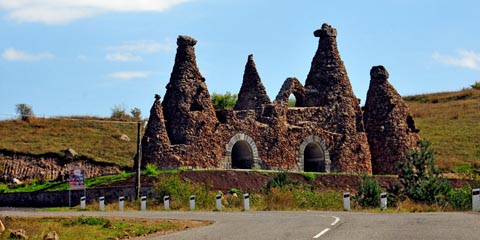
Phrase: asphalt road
(308, 224)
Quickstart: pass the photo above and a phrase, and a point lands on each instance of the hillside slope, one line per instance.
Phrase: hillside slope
(92, 138)
(451, 122)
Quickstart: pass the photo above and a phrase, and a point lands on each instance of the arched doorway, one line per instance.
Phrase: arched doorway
(314, 158)
(242, 155)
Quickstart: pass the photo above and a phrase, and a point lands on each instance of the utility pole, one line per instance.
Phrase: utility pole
(138, 162)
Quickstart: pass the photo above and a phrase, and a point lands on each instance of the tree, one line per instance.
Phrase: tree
(136, 114)
(224, 101)
(420, 178)
(476, 85)
(119, 113)
(25, 111)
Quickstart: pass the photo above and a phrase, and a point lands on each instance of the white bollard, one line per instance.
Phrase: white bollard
(476, 199)
(166, 202)
(346, 201)
(121, 201)
(192, 202)
(246, 201)
(82, 202)
(143, 203)
(383, 201)
(218, 202)
(101, 200)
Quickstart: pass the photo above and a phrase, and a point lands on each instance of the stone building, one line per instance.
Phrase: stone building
(324, 132)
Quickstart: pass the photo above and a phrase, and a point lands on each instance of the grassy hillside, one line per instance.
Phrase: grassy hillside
(90, 137)
(451, 121)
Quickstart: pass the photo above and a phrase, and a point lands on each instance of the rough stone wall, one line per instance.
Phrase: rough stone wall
(325, 128)
(25, 167)
(252, 93)
(388, 123)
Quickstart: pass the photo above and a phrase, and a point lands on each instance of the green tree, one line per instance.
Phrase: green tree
(224, 101)
(25, 111)
(421, 179)
(368, 192)
(292, 102)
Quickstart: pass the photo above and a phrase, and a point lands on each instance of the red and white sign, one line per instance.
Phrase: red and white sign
(77, 178)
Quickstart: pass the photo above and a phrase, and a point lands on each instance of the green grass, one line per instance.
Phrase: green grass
(89, 137)
(451, 122)
(92, 227)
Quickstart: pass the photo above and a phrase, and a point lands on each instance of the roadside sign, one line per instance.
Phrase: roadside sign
(77, 178)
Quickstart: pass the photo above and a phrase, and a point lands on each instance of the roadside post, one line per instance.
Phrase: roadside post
(101, 200)
(166, 202)
(346, 201)
(246, 202)
(218, 202)
(143, 204)
(121, 201)
(476, 199)
(82, 203)
(383, 201)
(192, 202)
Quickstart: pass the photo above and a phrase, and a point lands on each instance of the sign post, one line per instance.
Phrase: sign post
(246, 201)
(383, 201)
(166, 202)
(121, 203)
(476, 199)
(82, 203)
(192, 202)
(101, 201)
(218, 202)
(346, 201)
(143, 205)
(77, 182)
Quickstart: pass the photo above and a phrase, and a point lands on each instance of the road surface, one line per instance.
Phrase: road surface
(307, 224)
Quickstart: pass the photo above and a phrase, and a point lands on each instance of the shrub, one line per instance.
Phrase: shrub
(476, 85)
(368, 192)
(25, 111)
(460, 199)
(420, 178)
(151, 170)
(309, 176)
(180, 191)
(224, 101)
(395, 194)
(279, 180)
(136, 114)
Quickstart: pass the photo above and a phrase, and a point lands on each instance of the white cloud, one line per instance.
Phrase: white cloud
(464, 58)
(144, 46)
(65, 11)
(127, 75)
(122, 57)
(12, 54)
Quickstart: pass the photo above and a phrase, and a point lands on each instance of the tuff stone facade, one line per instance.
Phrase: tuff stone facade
(323, 133)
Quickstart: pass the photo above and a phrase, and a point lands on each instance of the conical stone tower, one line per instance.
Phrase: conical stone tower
(187, 105)
(155, 142)
(388, 123)
(328, 86)
(252, 93)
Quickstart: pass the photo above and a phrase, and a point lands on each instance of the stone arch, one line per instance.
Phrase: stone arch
(291, 86)
(313, 151)
(241, 146)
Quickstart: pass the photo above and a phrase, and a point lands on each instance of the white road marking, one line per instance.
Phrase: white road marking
(337, 219)
(322, 232)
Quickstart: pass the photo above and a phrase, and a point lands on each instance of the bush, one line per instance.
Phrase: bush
(151, 170)
(25, 111)
(180, 191)
(476, 85)
(368, 192)
(136, 114)
(461, 199)
(279, 180)
(420, 178)
(119, 113)
(224, 101)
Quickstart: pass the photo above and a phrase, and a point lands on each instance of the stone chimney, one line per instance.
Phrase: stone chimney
(389, 124)
(155, 140)
(187, 105)
(328, 86)
(252, 93)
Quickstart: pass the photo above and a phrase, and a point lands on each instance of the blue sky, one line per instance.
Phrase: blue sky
(70, 57)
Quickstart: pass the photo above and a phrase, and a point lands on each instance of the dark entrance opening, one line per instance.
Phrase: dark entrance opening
(314, 158)
(242, 155)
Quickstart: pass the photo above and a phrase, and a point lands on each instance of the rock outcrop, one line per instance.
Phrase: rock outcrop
(388, 123)
(252, 93)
